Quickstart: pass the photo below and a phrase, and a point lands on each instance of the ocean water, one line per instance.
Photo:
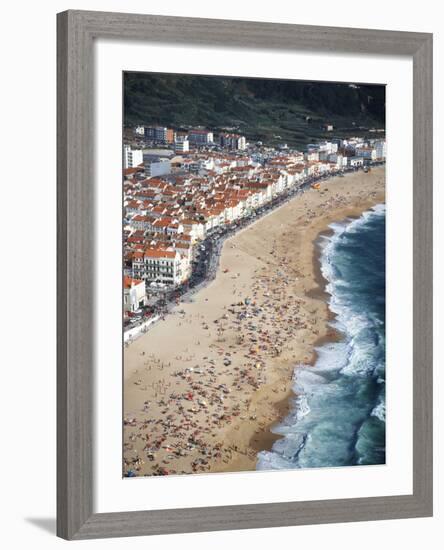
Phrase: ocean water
(338, 415)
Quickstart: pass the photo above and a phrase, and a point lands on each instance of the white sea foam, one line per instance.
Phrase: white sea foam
(302, 407)
(379, 411)
(354, 325)
(327, 407)
(270, 460)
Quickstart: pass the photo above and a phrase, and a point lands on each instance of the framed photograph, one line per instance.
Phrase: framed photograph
(244, 275)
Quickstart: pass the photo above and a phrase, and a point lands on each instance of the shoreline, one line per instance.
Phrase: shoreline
(279, 270)
(265, 440)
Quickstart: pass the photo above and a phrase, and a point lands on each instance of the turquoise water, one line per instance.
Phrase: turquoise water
(338, 416)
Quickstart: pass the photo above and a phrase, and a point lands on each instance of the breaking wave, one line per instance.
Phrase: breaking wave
(337, 416)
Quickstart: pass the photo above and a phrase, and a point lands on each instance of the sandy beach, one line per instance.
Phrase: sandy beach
(203, 387)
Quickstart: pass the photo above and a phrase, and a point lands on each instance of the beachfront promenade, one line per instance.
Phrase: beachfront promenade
(205, 266)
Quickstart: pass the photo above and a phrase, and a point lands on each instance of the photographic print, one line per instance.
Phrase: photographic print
(254, 276)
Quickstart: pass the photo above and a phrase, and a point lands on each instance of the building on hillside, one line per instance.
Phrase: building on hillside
(160, 134)
(132, 157)
(233, 141)
(134, 294)
(139, 130)
(200, 137)
(182, 146)
(325, 146)
(241, 143)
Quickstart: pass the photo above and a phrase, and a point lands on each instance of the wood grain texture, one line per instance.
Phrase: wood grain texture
(255, 516)
(77, 31)
(75, 276)
(423, 273)
(226, 33)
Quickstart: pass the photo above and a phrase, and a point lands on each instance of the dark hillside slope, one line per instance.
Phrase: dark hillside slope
(269, 110)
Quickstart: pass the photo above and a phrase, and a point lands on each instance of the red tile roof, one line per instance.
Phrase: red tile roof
(153, 253)
(128, 282)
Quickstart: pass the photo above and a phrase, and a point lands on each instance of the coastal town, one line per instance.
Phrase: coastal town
(232, 188)
(222, 296)
(184, 192)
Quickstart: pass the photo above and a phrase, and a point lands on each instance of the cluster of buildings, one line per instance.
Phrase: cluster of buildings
(183, 141)
(347, 152)
(172, 202)
(158, 134)
(233, 141)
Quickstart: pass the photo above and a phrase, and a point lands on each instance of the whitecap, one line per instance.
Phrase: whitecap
(318, 430)
(379, 411)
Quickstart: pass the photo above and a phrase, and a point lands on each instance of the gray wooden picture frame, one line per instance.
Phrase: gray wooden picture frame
(76, 32)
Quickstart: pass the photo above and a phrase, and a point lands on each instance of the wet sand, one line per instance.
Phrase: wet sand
(203, 387)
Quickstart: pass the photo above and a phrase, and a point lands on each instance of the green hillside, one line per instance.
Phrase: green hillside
(269, 110)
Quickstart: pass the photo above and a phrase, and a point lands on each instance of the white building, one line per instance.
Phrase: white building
(134, 295)
(327, 146)
(139, 130)
(157, 167)
(241, 143)
(368, 153)
(163, 266)
(132, 157)
(312, 155)
(354, 162)
(340, 160)
(194, 228)
(233, 141)
(182, 146)
(380, 148)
